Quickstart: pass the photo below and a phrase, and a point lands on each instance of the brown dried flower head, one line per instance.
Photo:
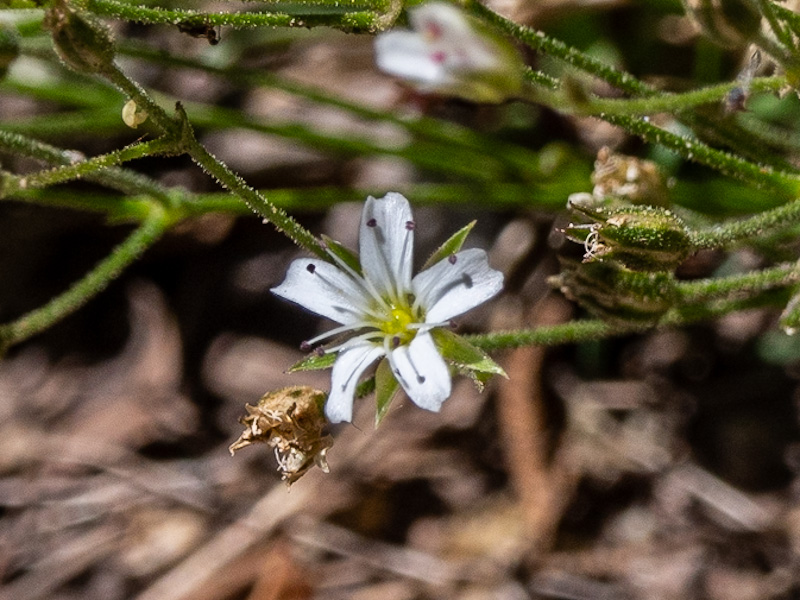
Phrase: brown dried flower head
(633, 179)
(291, 421)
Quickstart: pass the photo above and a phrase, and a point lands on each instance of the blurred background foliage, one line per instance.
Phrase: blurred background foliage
(655, 464)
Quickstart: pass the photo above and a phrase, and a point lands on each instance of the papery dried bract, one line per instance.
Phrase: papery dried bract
(291, 421)
(627, 177)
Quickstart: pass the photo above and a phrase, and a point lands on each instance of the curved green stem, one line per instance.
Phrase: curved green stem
(541, 41)
(674, 102)
(355, 20)
(576, 332)
(180, 128)
(123, 180)
(36, 321)
(741, 285)
(730, 232)
(761, 176)
(258, 203)
(80, 169)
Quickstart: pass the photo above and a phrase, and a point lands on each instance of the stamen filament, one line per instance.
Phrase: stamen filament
(338, 330)
(353, 341)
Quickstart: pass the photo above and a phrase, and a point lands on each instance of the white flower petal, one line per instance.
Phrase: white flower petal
(349, 366)
(443, 22)
(449, 289)
(422, 372)
(407, 55)
(386, 243)
(324, 289)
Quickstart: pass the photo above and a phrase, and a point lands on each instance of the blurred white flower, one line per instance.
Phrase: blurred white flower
(448, 53)
(390, 313)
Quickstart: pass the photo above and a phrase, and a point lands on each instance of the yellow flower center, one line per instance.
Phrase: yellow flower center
(396, 325)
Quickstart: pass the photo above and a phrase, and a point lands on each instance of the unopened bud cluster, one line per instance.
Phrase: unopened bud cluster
(291, 421)
(632, 243)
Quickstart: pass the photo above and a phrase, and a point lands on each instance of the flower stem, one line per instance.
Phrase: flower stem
(539, 40)
(725, 234)
(347, 20)
(36, 321)
(80, 169)
(258, 203)
(180, 129)
(122, 180)
(761, 176)
(576, 332)
(672, 103)
(740, 285)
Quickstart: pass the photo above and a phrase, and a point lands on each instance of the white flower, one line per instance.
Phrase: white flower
(448, 53)
(390, 313)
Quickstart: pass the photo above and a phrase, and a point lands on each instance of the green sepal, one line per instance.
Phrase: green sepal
(466, 357)
(616, 293)
(451, 246)
(386, 388)
(314, 362)
(643, 238)
(347, 256)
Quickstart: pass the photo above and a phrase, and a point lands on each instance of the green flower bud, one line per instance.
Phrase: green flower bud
(643, 238)
(615, 293)
(9, 48)
(83, 43)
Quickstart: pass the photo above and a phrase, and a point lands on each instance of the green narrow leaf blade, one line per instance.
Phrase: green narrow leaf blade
(386, 388)
(464, 355)
(314, 362)
(451, 246)
(345, 254)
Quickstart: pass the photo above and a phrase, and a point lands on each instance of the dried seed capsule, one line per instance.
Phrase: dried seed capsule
(290, 420)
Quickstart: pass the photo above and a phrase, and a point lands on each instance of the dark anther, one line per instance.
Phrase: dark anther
(305, 347)
(319, 351)
(452, 259)
(396, 341)
(410, 225)
(420, 379)
(453, 325)
(311, 267)
(372, 223)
